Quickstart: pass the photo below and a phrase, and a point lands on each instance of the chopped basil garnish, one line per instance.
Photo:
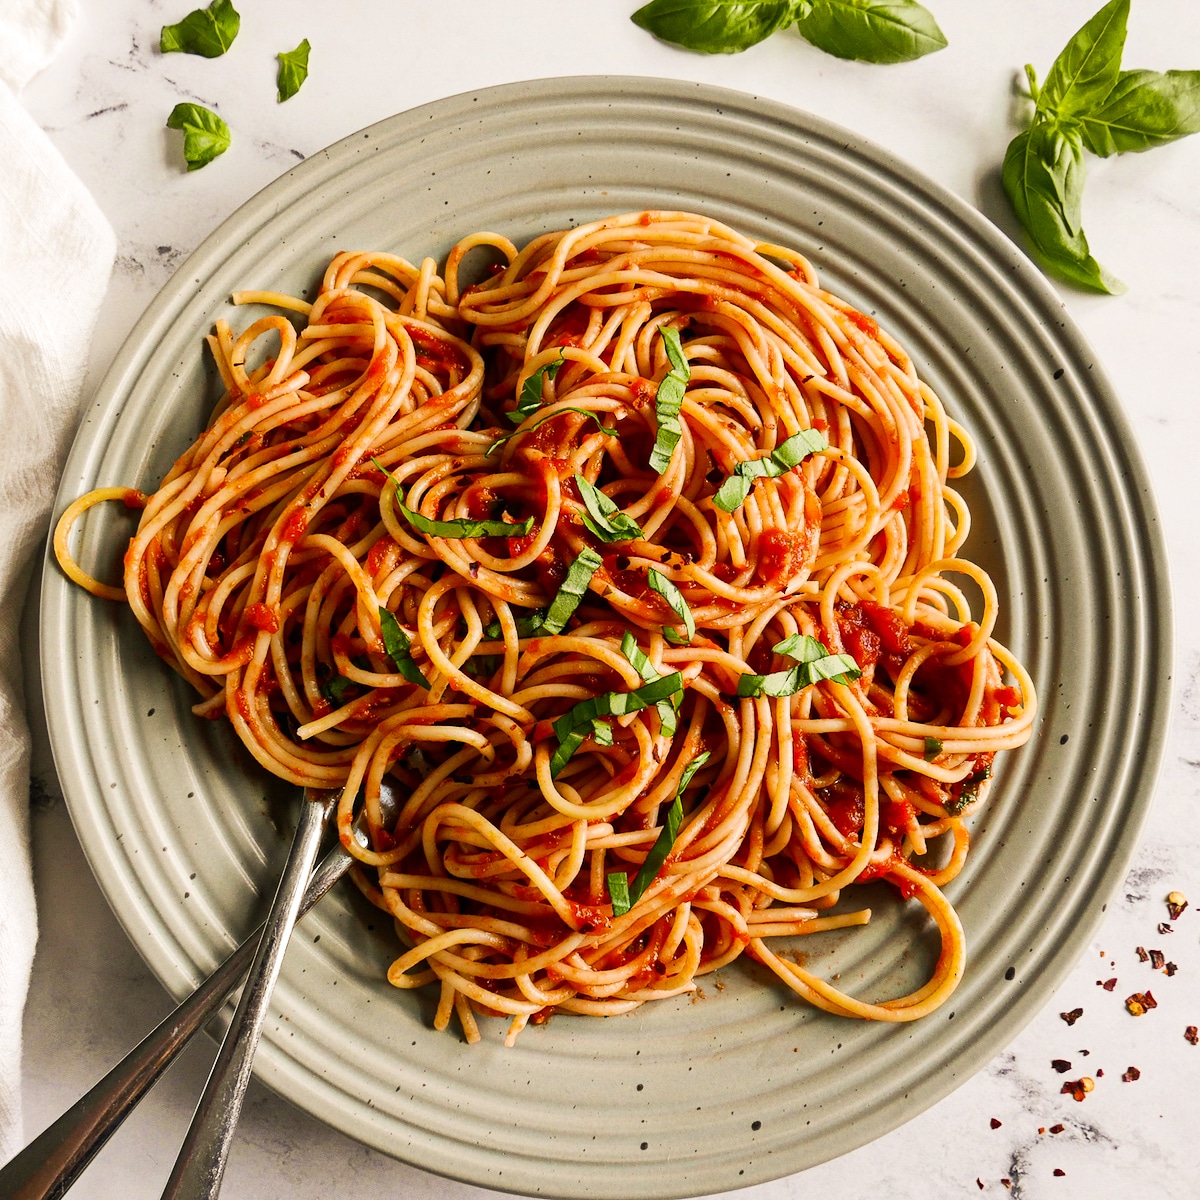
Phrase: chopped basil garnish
(531, 392)
(205, 135)
(622, 895)
(814, 663)
(602, 733)
(668, 401)
(208, 32)
(573, 727)
(782, 459)
(460, 527)
(399, 649)
(667, 709)
(335, 689)
(679, 606)
(529, 626)
(603, 519)
(583, 412)
(571, 591)
(933, 747)
(293, 71)
(969, 793)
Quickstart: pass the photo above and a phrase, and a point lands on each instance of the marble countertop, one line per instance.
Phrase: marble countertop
(1009, 1129)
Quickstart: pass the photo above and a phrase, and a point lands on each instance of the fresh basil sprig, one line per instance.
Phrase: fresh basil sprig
(293, 71)
(668, 401)
(622, 895)
(399, 648)
(573, 727)
(679, 606)
(205, 135)
(1088, 102)
(531, 392)
(814, 662)
(571, 591)
(208, 32)
(603, 519)
(788, 454)
(879, 31)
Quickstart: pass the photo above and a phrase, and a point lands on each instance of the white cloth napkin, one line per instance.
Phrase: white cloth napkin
(56, 252)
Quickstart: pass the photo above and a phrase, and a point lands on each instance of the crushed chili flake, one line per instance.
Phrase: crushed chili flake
(1140, 1003)
(996, 1124)
(1170, 969)
(1072, 1016)
(1163, 927)
(1006, 1182)
(1176, 903)
(1059, 1172)
(1077, 1088)
(1041, 1129)
(1057, 1128)
(1191, 1034)
(979, 1182)
(1100, 1074)
(1108, 984)
(1157, 959)
(1142, 955)
(1060, 1065)
(1131, 1073)
(1085, 1053)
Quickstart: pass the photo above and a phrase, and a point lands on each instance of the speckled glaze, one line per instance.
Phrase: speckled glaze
(744, 1084)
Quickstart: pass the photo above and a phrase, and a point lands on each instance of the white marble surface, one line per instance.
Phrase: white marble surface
(104, 102)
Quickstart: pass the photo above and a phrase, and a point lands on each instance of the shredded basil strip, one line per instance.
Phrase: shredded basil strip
(208, 32)
(679, 606)
(603, 519)
(814, 663)
(399, 648)
(788, 454)
(458, 528)
(661, 848)
(618, 891)
(531, 391)
(293, 71)
(668, 401)
(602, 733)
(933, 747)
(528, 626)
(571, 591)
(667, 709)
(573, 727)
(335, 689)
(583, 412)
(970, 792)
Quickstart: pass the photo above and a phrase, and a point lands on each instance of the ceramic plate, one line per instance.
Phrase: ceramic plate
(744, 1083)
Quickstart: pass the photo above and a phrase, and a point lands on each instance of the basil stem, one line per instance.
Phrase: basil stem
(399, 648)
(668, 401)
(603, 519)
(571, 591)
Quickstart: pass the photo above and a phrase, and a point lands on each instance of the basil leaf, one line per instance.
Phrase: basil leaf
(572, 591)
(527, 627)
(1145, 109)
(877, 31)
(788, 454)
(572, 727)
(667, 709)
(208, 32)
(679, 606)
(399, 648)
(933, 747)
(717, 26)
(531, 391)
(293, 71)
(969, 792)
(618, 892)
(335, 689)
(205, 135)
(662, 846)
(814, 663)
(1086, 71)
(461, 527)
(602, 733)
(668, 401)
(1043, 176)
(583, 412)
(603, 519)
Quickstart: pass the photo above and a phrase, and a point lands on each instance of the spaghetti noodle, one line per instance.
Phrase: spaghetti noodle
(635, 569)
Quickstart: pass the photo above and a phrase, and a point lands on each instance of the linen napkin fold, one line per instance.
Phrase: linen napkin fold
(56, 253)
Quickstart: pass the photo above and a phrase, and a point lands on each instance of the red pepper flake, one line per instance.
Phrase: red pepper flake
(1163, 927)
(1108, 984)
(1142, 955)
(1176, 903)
(1041, 1129)
(1157, 960)
(1060, 1065)
(1077, 1088)
(996, 1124)
(1131, 1074)
(1059, 1172)
(979, 1183)
(1191, 1034)
(1072, 1016)
(1100, 1074)
(1170, 969)
(1085, 1053)
(1057, 1128)
(1140, 1003)
(1006, 1182)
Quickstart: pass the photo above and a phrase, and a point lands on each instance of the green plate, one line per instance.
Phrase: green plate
(743, 1084)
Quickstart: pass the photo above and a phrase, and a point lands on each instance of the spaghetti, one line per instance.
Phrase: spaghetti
(634, 569)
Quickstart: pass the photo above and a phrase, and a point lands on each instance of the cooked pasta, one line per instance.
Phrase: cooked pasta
(635, 570)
